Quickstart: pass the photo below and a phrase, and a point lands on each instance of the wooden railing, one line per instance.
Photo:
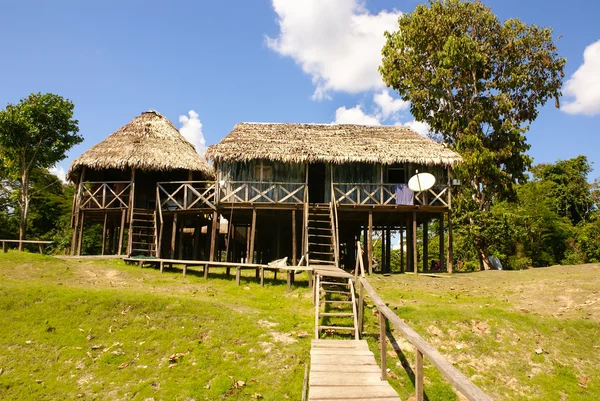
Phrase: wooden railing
(334, 229)
(186, 195)
(104, 195)
(385, 194)
(422, 349)
(261, 192)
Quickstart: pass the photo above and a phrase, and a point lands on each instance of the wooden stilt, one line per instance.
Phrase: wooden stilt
(74, 239)
(294, 250)
(104, 233)
(80, 233)
(370, 242)
(173, 235)
(441, 238)
(388, 246)
(449, 265)
(180, 242)
(402, 248)
(122, 231)
(131, 207)
(252, 237)
(197, 232)
(77, 211)
(213, 236)
(383, 250)
(415, 258)
(248, 229)
(426, 245)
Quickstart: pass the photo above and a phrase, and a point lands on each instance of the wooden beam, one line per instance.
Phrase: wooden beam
(173, 235)
(388, 250)
(104, 233)
(414, 243)
(370, 242)
(425, 245)
(80, 233)
(294, 250)
(213, 236)
(449, 265)
(382, 346)
(402, 248)
(76, 211)
(383, 249)
(122, 231)
(441, 238)
(252, 237)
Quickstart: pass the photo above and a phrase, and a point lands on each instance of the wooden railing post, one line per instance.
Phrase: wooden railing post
(361, 305)
(418, 375)
(382, 340)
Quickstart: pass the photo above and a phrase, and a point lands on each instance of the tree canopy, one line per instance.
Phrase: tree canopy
(35, 134)
(478, 83)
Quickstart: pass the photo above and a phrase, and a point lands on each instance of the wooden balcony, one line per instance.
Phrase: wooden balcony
(104, 195)
(186, 195)
(385, 194)
(262, 192)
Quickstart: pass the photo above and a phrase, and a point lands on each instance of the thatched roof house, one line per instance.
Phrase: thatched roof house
(326, 143)
(150, 142)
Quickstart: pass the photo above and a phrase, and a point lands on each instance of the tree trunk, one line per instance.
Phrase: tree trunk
(484, 261)
(24, 207)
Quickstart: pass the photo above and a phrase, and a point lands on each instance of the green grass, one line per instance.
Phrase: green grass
(104, 330)
(531, 334)
(99, 329)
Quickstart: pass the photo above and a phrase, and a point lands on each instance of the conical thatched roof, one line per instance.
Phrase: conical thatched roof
(330, 144)
(150, 142)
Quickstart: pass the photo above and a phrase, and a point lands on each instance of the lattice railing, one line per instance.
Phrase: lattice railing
(261, 192)
(186, 195)
(385, 194)
(105, 195)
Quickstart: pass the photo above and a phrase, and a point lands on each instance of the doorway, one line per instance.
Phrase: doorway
(316, 182)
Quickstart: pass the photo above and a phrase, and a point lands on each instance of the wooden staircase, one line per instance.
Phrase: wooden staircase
(335, 305)
(142, 229)
(320, 235)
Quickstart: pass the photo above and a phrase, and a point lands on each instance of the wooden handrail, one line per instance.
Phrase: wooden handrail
(352, 193)
(422, 349)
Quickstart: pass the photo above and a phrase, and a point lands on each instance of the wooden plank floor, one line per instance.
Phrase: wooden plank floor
(346, 370)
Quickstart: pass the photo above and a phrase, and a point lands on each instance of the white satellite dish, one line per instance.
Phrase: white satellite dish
(421, 182)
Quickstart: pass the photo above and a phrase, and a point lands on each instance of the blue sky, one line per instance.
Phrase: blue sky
(281, 61)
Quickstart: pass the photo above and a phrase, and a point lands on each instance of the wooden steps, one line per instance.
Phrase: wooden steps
(346, 370)
(142, 231)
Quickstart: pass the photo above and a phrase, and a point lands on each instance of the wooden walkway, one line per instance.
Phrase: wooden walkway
(346, 370)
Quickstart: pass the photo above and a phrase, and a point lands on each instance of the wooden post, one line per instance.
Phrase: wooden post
(418, 375)
(414, 244)
(449, 265)
(382, 343)
(197, 232)
(370, 242)
(80, 233)
(402, 248)
(441, 238)
(425, 245)
(294, 245)
(213, 236)
(104, 233)
(409, 248)
(4, 246)
(388, 250)
(361, 307)
(132, 203)
(76, 211)
(122, 231)
(173, 235)
(250, 258)
(383, 249)
(449, 262)
(180, 242)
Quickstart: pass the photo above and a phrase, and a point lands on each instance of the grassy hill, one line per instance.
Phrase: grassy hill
(103, 330)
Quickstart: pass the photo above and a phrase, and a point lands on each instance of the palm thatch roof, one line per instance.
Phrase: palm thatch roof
(330, 144)
(150, 142)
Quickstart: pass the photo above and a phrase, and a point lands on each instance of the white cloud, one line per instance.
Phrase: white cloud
(191, 130)
(337, 42)
(389, 105)
(584, 85)
(60, 172)
(417, 126)
(354, 115)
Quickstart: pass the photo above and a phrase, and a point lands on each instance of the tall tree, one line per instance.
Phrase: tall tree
(35, 133)
(478, 83)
